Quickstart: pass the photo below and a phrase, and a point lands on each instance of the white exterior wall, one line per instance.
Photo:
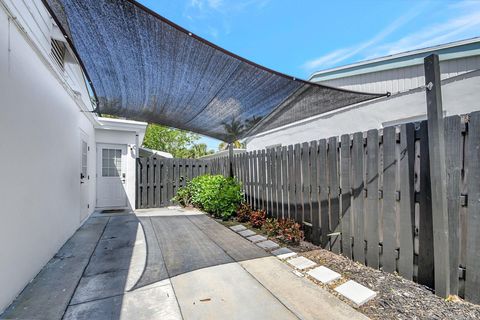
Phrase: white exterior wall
(44, 115)
(459, 97)
(40, 128)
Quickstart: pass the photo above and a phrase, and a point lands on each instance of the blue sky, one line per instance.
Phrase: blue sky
(303, 36)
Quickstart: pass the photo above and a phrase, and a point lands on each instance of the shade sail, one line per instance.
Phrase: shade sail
(144, 67)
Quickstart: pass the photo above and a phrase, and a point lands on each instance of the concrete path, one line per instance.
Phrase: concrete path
(169, 264)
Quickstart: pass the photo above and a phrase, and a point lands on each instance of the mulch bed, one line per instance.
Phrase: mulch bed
(397, 298)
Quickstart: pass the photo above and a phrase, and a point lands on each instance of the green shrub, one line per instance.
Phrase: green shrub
(257, 218)
(243, 213)
(184, 196)
(214, 194)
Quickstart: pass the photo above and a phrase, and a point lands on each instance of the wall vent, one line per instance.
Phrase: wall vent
(58, 53)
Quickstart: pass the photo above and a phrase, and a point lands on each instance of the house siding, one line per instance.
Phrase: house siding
(402, 79)
(460, 96)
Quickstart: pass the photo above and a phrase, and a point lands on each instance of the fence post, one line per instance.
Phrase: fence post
(436, 145)
(230, 160)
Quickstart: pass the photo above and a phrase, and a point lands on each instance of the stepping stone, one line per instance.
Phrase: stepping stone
(298, 273)
(324, 275)
(238, 227)
(301, 263)
(268, 245)
(286, 256)
(284, 253)
(355, 292)
(246, 233)
(257, 238)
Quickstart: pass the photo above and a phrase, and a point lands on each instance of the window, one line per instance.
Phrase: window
(58, 53)
(84, 158)
(111, 162)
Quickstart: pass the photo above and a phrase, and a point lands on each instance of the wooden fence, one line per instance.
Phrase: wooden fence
(158, 179)
(364, 195)
(368, 196)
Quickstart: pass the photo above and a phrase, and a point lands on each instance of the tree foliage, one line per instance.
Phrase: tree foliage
(180, 143)
(236, 144)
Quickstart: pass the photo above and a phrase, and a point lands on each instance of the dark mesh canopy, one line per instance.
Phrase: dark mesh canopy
(144, 67)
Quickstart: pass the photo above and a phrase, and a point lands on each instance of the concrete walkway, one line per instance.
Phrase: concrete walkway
(169, 264)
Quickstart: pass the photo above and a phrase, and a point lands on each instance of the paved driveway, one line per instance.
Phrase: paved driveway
(169, 264)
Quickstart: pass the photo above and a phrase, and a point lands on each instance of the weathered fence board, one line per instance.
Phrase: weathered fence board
(261, 187)
(270, 174)
(425, 234)
(322, 182)
(371, 210)
(345, 186)
(291, 184)
(277, 182)
(144, 172)
(298, 184)
(389, 200)
(315, 209)
(453, 152)
(332, 176)
(284, 183)
(472, 277)
(407, 201)
(264, 181)
(306, 188)
(255, 180)
(358, 201)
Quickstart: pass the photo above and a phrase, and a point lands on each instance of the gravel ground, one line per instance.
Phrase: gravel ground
(396, 298)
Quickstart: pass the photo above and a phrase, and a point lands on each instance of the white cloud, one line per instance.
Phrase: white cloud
(215, 4)
(329, 59)
(337, 56)
(463, 26)
(216, 14)
(206, 4)
(464, 23)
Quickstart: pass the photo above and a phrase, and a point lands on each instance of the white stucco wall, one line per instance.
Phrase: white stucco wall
(44, 115)
(40, 128)
(460, 96)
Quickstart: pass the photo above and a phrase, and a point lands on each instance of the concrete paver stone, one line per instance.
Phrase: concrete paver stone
(246, 233)
(238, 228)
(256, 238)
(268, 245)
(284, 253)
(324, 275)
(301, 263)
(355, 292)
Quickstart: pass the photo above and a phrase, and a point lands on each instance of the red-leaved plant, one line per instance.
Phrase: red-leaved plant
(243, 213)
(271, 227)
(289, 231)
(257, 218)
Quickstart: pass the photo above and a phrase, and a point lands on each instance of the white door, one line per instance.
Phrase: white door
(111, 173)
(84, 176)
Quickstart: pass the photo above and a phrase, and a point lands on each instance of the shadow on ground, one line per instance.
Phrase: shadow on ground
(112, 262)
